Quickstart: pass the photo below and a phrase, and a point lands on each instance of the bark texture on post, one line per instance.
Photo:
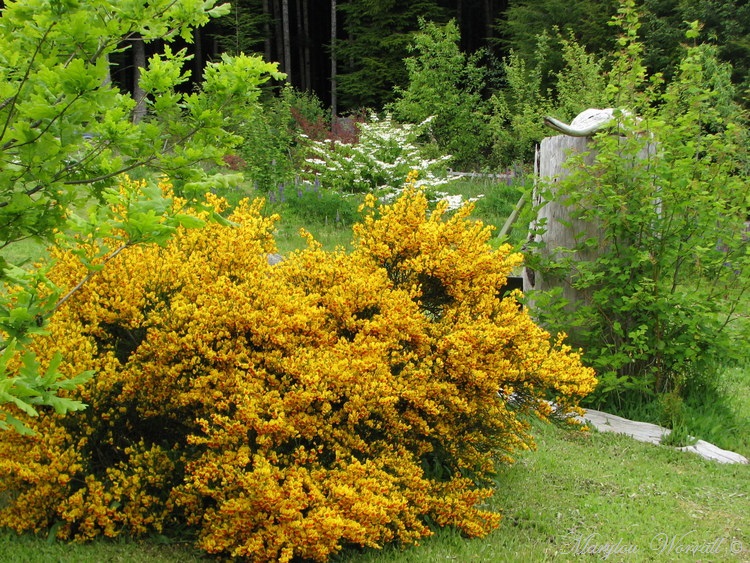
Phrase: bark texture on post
(562, 231)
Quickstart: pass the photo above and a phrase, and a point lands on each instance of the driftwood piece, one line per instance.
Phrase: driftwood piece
(586, 123)
(653, 434)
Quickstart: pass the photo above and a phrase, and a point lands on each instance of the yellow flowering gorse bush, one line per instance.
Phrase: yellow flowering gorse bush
(284, 411)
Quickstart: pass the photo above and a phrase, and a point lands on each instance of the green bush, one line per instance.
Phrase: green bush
(447, 84)
(673, 260)
(274, 145)
(518, 109)
(268, 140)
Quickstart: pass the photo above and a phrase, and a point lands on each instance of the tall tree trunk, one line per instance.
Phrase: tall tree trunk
(236, 10)
(306, 62)
(287, 39)
(301, 41)
(334, 100)
(487, 19)
(266, 31)
(139, 62)
(278, 33)
(197, 56)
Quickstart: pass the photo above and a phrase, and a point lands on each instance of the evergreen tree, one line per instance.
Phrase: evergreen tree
(370, 52)
(725, 23)
(243, 29)
(587, 21)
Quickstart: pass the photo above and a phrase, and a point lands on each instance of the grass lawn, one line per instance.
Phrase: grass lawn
(330, 216)
(580, 493)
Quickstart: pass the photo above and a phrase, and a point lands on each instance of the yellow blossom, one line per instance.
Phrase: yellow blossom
(286, 411)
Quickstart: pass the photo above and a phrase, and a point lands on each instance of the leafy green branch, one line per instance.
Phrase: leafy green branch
(68, 135)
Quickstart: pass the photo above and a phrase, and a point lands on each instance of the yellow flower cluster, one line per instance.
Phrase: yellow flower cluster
(285, 411)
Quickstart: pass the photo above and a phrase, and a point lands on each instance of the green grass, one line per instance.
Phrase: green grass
(717, 410)
(25, 252)
(31, 549)
(495, 200)
(721, 415)
(605, 487)
(329, 216)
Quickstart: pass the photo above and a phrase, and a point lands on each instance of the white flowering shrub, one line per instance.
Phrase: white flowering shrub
(382, 157)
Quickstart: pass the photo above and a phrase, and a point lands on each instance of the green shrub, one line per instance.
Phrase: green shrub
(447, 84)
(518, 109)
(274, 144)
(268, 141)
(673, 250)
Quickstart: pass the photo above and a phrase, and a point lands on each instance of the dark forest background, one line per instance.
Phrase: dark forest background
(350, 52)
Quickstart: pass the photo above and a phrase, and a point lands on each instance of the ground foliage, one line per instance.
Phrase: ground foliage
(282, 411)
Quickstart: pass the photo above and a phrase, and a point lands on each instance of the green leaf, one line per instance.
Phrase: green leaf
(64, 405)
(75, 381)
(694, 29)
(11, 422)
(14, 397)
(189, 221)
(220, 10)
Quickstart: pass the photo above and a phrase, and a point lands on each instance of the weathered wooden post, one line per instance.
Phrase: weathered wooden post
(562, 231)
